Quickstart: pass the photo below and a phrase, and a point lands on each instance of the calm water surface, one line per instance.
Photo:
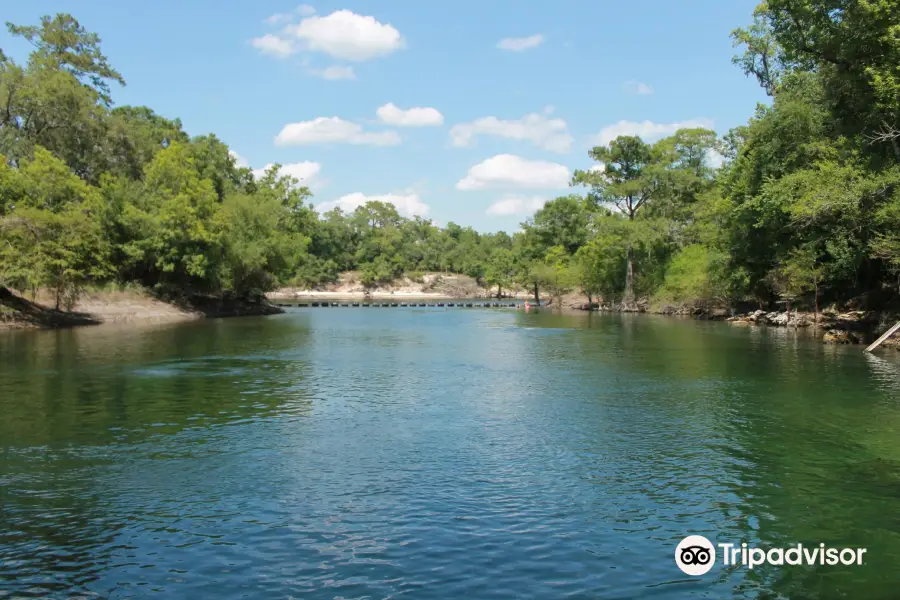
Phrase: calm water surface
(424, 453)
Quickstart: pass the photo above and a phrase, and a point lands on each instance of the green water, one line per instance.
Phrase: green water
(431, 453)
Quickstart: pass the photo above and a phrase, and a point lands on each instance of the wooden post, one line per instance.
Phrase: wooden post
(887, 334)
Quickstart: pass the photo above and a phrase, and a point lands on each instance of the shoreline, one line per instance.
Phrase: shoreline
(124, 307)
(137, 307)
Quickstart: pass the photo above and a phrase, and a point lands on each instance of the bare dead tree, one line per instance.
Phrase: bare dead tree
(887, 133)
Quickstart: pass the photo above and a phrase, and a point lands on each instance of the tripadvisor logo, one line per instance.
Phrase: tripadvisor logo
(695, 555)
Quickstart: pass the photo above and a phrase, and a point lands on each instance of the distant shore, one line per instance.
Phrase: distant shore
(357, 295)
(426, 286)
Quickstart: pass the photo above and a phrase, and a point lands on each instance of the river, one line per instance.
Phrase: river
(431, 453)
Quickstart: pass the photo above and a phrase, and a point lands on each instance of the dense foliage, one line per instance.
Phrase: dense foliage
(805, 204)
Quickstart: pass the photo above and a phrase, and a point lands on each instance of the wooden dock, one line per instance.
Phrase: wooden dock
(886, 335)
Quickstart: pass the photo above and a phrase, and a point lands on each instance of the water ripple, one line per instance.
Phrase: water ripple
(392, 454)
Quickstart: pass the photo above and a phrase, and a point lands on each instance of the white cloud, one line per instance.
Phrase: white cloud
(239, 160)
(324, 130)
(646, 130)
(507, 170)
(638, 87)
(412, 117)
(516, 205)
(277, 18)
(521, 44)
(550, 134)
(305, 171)
(273, 45)
(346, 35)
(304, 10)
(408, 204)
(714, 159)
(335, 73)
(598, 168)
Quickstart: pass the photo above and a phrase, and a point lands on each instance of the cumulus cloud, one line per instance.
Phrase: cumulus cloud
(646, 130)
(305, 171)
(516, 205)
(638, 87)
(418, 116)
(714, 159)
(335, 73)
(273, 45)
(521, 44)
(345, 35)
(239, 160)
(304, 10)
(408, 204)
(325, 130)
(543, 132)
(508, 170)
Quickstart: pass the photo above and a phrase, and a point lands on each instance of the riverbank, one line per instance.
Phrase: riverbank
(428, 285)
(97, 307)
(831, 325)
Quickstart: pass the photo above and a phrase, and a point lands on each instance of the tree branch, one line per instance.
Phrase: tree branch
(886, 133)
(10, 222)
(801, 43)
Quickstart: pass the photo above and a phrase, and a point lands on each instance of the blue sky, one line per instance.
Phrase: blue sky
(511, 94)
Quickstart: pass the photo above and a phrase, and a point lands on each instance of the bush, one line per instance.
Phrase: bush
(696, 274)
(314, 272)
(381, 270)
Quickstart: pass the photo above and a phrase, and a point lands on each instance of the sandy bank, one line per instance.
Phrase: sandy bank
(291, 293)
(115, 307)
(429, 285)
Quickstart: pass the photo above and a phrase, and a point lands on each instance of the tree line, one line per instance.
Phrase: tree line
(802, 203)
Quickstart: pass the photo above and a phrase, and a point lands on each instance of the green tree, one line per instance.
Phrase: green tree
(134, 135)
(563, 221)
(62, 44)
(854, 47)
(761, 58)
(629, 175)
(50, 232)
(171, 243)
(804, 273)
(500, 270)
(556, 273)
(258, 250)
(696, 274)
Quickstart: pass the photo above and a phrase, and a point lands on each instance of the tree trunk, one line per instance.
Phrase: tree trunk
(590, 302)
(537, 295)
(816, 322)
(629, 277)
(788, 323)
